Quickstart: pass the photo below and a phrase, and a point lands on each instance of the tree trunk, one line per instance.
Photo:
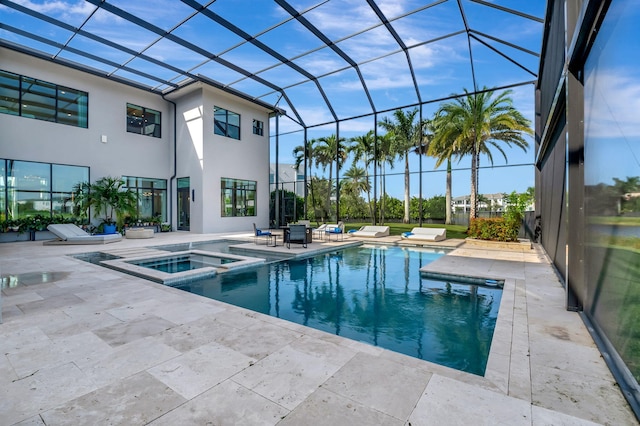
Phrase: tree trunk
(447, 219)
(328, 203)
(406, 188)
(474, 196)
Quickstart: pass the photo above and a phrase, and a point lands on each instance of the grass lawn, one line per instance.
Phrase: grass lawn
(453, 231)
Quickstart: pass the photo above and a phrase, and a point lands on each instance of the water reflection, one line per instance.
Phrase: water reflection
(612, 182)
(372, 295)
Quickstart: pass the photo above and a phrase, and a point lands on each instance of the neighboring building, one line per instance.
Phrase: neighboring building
(486, 202)
(290, 178)
(194, 154)
(587, 141)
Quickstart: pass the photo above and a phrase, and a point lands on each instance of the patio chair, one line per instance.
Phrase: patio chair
(425, 234)
(337, 230)
(68, 233)
(257, 233)
(296, 234)
(319, 231)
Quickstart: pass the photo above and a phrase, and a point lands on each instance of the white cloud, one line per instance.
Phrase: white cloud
(612, 109)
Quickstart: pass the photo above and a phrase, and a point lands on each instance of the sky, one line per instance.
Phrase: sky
(336, 61)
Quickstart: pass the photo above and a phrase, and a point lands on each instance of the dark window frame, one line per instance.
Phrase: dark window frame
(258, 127)
(139, 125)
(222, 124)
(59, 108)
(241, 192)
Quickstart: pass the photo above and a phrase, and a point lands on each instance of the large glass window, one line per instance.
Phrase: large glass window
(32, 98)
(144, 121)
(72, 107)
(38, 99)
(9, 93)
(226, 123)
(238, 197)
(612, 182)
(152, 196)
(28, 188)
(64, 179)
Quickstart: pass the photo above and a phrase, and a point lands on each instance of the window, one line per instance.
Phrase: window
(258, 127)
(144, 121)
(226, 123)
(238, 197)
(29, 188)
(32, 98)
(152, 196)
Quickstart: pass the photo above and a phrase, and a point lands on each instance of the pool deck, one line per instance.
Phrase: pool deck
(85, 345)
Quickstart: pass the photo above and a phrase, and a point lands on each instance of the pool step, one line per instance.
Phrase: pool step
(135, 252)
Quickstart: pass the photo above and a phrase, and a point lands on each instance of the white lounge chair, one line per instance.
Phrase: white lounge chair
(336, 229)
(371, 231)
(319, 231)
(69, 233)
(426, 234)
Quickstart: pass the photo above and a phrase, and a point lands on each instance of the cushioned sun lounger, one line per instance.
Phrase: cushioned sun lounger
(426, 234)
(371, 231)
(69, 233)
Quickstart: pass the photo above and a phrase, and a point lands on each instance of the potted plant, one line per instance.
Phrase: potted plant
(109, 199)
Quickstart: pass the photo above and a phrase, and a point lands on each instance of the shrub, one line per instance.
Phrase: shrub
(495, 229)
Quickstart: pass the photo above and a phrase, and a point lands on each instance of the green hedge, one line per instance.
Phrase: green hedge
(495, 229)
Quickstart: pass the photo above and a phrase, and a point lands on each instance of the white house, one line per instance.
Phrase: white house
(196, 154)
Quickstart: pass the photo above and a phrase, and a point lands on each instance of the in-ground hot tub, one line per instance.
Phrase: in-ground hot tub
(180, 266)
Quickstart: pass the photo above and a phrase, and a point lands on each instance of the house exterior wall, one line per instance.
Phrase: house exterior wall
(201, 155)
(206, 158)
(124, 153)
(246, 159)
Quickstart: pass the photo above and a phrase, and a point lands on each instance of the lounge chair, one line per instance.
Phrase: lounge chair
(371, 231)
(69, 233)
(335, 229)
(257, 233)
(319, 231)
(425, 234)
(296, 234)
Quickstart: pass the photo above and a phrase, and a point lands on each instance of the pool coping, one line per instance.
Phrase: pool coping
(125, 265)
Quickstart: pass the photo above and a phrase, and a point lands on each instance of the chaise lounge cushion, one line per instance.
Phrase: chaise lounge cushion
(371, 231)
(69, 233)
(426, 234)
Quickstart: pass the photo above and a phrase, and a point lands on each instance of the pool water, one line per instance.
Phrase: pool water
(183, 263)
(371, 294)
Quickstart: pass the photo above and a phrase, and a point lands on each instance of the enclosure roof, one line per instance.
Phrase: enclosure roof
(320, 61)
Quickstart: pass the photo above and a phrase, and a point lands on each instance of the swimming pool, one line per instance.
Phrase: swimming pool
(372, 294)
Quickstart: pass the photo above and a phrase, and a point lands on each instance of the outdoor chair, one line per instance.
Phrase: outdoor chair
(337, 230)
(296, 234)
(257, 233)
(68, 233)
(319, 231)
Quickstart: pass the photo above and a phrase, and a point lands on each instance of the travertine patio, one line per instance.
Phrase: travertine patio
(83, 344)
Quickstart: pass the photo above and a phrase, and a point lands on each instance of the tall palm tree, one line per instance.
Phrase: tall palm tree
(363, 149)
(443, 149)
(425, 130)
(299, 153)
(327, 150)
(406, 135)
(479, 122)
(385, 156)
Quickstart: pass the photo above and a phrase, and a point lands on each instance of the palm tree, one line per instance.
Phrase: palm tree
(478, 122)
(406, 135)
(443, 149)
(327, 150)
(363, 148)
(385, 155)
(301, 152)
